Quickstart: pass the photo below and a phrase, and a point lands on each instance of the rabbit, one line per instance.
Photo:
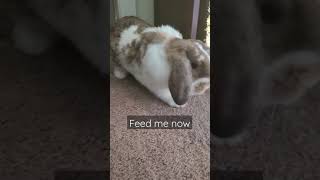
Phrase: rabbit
(172, 68)
(40, 23)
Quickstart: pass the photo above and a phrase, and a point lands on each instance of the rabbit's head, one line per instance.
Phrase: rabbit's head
(190, 68)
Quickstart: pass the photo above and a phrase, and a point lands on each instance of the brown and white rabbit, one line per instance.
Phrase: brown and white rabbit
(171, 67)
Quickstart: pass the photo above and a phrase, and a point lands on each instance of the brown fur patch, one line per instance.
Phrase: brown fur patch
(120, 25)
(137, 49)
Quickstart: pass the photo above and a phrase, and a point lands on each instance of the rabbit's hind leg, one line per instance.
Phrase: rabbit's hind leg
(118, 71)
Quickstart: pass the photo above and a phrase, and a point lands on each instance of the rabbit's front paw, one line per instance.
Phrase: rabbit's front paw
(119, 72)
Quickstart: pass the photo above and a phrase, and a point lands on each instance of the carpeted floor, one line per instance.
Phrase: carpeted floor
(52, 111)
(156, 153)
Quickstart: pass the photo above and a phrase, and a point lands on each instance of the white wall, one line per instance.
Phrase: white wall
(145, 10)
(141, 8)
(127, 8)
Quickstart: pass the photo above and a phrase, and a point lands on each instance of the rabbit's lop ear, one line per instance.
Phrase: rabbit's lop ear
(289, 77)
(180, 79)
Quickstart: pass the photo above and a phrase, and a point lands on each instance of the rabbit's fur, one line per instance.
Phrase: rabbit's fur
(159, 58)
(82, 22)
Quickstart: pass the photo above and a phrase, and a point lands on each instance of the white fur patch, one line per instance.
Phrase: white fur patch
(155, 68)
(170, 31)
(127, 36)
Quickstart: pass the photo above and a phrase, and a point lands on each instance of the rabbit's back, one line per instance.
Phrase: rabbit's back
(121, 25)
(125, 22)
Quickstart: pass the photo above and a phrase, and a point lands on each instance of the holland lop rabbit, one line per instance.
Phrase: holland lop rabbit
(171, 67)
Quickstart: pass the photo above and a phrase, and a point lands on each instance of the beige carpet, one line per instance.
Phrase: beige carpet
(156, 153)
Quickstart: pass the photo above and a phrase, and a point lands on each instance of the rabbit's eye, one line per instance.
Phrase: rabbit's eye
(271, 12)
